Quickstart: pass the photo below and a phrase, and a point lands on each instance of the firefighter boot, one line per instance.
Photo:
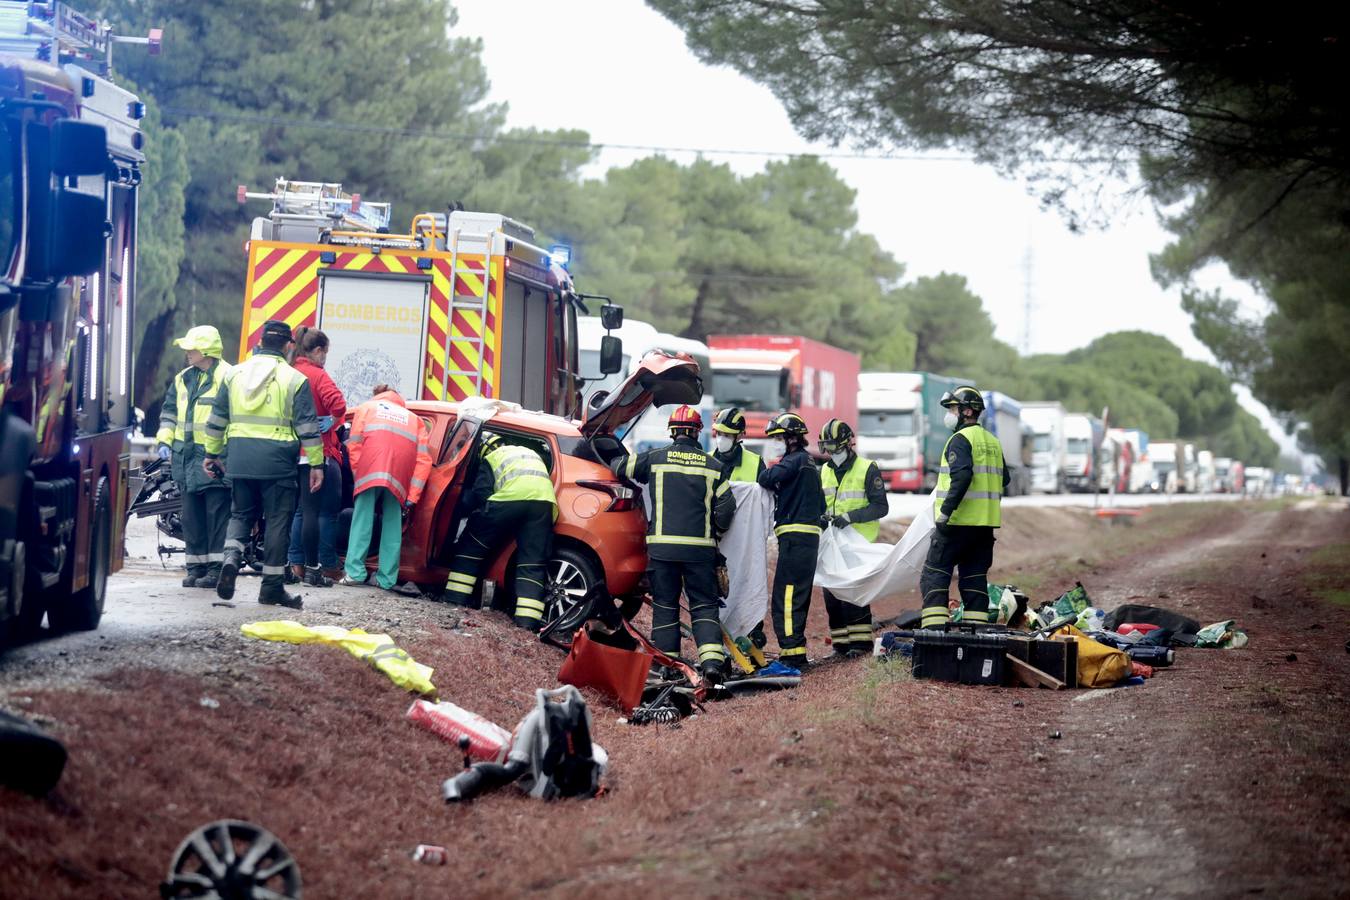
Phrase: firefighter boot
(210, 579)
(191, 579)
(531, 625)
(229, 570)
(275, 595)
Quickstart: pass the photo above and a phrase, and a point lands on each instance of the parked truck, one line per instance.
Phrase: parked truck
(765, 374)
(900, 426)
(1003, 418)
(1188, 469)
(1164, 455)
(71, 152)
(1206, 474)
(1048, 445)
(1082, 440)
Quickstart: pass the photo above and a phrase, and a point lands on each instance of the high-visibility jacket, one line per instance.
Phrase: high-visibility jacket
(519, 474)
(981, 503)
(691, 502)
(388, 448)
(266, 414)
(182, 423)
(747, 468)
(849, 495)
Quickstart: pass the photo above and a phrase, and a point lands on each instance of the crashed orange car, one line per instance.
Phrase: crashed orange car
(599, 539)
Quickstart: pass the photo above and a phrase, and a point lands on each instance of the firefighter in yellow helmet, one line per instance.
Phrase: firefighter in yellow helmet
(738, 462)
(265, 413)
(798, 506)
(182, 438)
(692, 506)
(512, 498)
(855, 497)
(966, 509)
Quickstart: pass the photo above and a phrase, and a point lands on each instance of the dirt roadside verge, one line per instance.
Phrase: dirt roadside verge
(863, 781)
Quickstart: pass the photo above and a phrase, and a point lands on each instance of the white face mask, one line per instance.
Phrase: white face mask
(777, 449)
(950, 421)
(839, 458)
(723, 443)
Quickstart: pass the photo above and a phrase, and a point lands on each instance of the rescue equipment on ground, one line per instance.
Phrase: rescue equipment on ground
(488, 741)
(377, 649)
(552, 755)
(1098, 664)
(611, 663)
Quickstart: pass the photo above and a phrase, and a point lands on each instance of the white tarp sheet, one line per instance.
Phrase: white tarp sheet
(859, 571)
(745, 546)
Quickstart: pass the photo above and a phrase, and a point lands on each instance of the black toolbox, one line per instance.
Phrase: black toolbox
(965, 657)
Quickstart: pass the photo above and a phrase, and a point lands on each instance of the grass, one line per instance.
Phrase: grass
(1327, 576)
(880, 673)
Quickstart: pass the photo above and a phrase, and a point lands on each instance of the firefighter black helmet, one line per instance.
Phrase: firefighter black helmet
(729, 421)
(965, 396)
(786, 423)
(835, 435)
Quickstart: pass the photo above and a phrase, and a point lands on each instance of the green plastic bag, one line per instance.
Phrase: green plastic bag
(1073, 601)
(1222, 635)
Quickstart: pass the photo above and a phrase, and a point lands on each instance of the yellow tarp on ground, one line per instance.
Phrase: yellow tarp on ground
(377, 649)
(1098, 664)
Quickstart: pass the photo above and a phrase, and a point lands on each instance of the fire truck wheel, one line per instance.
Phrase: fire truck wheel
(85, 608)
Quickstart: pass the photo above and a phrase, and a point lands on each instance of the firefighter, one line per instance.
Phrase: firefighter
(182, 437)
(692, 506)
(971, 482)
(512, 497)
(855, 497)
(391, 461)
(265, 415)
(798, 505)
(738, 463)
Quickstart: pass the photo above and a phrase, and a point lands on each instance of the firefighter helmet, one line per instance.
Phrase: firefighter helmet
(729, 421)
(965, 396)
(685, 418)
(835, 436)
(491, 441)
(785, 424)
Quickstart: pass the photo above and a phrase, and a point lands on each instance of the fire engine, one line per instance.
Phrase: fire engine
(463, 304)
(70, 164)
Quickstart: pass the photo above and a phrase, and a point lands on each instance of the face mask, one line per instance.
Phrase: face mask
(950, 421)
(839, 458)
(777, 449)
(723, 443)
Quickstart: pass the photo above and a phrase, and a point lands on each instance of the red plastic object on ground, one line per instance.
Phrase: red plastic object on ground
(488, 741)
(617, 673)
(1141, 669)
(1131, 627)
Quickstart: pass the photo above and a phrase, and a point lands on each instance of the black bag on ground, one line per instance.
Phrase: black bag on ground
(30, 759)
(1151, 615)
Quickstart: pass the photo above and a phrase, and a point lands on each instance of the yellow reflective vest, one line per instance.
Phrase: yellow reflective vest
(849, 495)
(981, 504)
(261, 406)
(186, 422)
(519, 474)
(748, 469)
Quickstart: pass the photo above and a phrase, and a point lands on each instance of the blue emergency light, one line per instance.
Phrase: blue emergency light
(560, 254)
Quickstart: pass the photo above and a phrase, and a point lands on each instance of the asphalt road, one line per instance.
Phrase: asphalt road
(904, 506)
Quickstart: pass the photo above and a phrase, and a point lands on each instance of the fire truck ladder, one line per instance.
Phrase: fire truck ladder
(323, 202)
(471, 346)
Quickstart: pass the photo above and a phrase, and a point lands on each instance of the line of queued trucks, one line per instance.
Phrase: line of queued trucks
(1048, 448)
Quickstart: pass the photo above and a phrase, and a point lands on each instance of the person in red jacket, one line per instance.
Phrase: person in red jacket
(314, 528)
(390, 465)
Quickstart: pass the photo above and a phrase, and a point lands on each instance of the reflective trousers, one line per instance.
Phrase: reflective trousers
(968, 549)
(850, 625)
(274, 502)
(793, 577)
(698, 582)
(530, 524)
(206, 515)
(391, 536)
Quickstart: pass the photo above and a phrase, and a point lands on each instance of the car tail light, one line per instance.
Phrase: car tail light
(622, 497)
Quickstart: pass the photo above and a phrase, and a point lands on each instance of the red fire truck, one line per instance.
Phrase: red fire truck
(464, 304)
(70, 158)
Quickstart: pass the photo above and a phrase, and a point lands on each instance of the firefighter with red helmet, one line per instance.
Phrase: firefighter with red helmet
(798, 507)
(692, 505)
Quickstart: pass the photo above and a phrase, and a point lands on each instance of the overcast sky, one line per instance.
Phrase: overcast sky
(620, 71)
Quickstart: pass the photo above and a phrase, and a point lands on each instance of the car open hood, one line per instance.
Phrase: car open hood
(659, 380)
